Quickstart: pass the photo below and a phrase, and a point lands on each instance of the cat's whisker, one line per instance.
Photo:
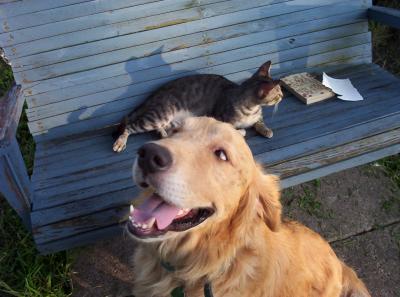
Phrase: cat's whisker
(276, 107)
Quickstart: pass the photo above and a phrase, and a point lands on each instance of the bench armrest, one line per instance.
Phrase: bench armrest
(385, 15)
(10, 111)
(15, 185)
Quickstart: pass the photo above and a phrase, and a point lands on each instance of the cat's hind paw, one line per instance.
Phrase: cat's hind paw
(120, 144)
(268, 133)
(163, 132)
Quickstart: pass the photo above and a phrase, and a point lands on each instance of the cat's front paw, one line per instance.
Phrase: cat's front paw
(242, 131)
(120, 144)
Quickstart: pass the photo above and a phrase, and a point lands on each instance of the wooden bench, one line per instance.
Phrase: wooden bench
(81, 65)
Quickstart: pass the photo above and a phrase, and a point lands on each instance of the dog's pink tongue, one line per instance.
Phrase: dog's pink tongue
(155, 207)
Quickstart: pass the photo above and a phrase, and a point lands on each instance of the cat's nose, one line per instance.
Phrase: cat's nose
(153, 158)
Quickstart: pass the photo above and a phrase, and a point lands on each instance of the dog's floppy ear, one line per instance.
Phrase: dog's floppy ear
(270, 207)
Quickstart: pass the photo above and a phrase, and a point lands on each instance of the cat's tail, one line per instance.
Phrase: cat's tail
(352, 286)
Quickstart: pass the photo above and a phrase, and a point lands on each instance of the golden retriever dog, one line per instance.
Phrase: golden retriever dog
(211, 224)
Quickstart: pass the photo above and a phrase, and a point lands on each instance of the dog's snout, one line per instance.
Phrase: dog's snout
(153, 158)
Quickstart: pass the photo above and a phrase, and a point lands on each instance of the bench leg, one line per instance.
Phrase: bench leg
(15, 184)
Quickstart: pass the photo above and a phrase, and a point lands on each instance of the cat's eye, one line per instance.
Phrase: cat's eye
(221, 154)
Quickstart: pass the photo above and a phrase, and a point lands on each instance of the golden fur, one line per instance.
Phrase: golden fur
(244, 248)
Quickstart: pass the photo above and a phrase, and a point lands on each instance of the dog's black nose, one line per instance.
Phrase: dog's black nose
(153, 158)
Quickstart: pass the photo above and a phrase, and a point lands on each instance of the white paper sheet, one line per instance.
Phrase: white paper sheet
(342, 87)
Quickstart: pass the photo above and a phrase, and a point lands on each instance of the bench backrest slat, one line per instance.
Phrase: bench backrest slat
(85, 64)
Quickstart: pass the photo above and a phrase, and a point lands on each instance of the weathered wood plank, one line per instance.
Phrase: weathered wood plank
(171, 57)
(80, 239)
(385, 15)
(82, 141)
(322, 119)
(334, 155)
(96, 194)
(354, 56)
(190, 40)
(285, 113)
(70, 227)
(131, 50)
(66, 144)
(128, 13)
(147, 52)
(182, 22)
(30, 6)
(336, 167)
(15, 185)
(243, 52)
(276, 57)
(309, 129)
(117, 215)
(116, 198)
(10, 111)
(70, 182)
(96, 12)
(186, 26)
(285, 136)
(297, 150)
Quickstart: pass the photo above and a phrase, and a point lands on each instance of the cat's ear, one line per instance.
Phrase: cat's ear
(266, 87)
(264, 71)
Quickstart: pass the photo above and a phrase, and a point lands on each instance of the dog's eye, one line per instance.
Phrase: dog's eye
(220, 153)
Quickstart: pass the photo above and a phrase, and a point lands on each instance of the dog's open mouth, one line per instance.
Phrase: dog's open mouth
(156, 217)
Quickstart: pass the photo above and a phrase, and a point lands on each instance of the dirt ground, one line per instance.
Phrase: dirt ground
(357, 210)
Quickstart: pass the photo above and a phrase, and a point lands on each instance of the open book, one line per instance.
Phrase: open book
(305, 87)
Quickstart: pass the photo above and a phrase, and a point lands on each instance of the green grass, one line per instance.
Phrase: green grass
(309, 203)
(25, 273)
(6, 78)
(26, 143)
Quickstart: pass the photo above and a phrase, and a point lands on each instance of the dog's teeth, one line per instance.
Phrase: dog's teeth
(145, 226)
(130, 218)
(150, 222)
(131, 208)
(180, 212)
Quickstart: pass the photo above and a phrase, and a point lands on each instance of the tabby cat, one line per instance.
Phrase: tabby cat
(204, 95)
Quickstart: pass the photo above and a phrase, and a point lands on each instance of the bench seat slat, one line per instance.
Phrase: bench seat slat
(117, 215)
(286, 133)
(78, 239)
(361, 121)
(286, 111)
(106, 183)
(329, 156)
(124, 189)
(79, 141)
